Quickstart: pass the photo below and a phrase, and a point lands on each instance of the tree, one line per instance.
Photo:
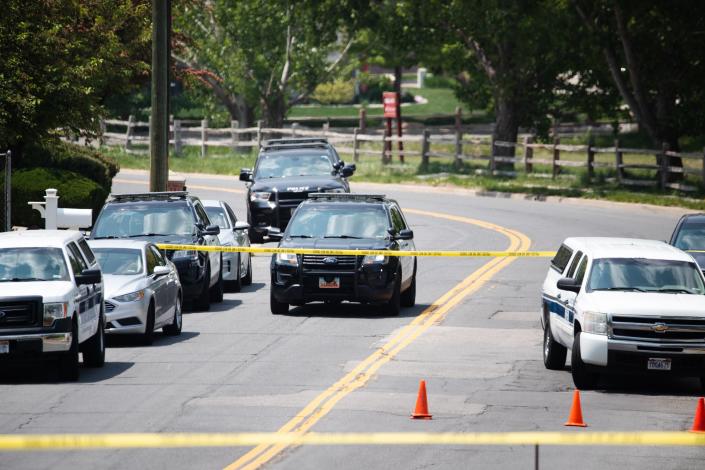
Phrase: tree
(60, 60)
(261, 55)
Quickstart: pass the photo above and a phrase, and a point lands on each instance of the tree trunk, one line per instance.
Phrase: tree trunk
(506, 129)
(397, 79)
(274, 109)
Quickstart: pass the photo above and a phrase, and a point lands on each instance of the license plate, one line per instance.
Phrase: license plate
(656, 363)
(334, 284)
(4, 347)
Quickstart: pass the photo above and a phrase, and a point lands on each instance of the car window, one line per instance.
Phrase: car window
(77, 253)
(283, 166)
(233, 217)
(218, 217)
(339, 221)
(202, 214)
(649, 275)
(397, 220)
(158, 255)
(32, 263)
(139, 219)
(120, 261)
(151, 261)
(560, 261)
(574, 264)
(580, 273)
(86, 250)
(77, 264)
(691, 237)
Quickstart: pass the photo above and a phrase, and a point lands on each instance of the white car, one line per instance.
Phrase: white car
(623, 305)
(237, 267)
(142, 288)
(51, 299)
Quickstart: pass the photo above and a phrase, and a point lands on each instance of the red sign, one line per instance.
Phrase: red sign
(391, 104)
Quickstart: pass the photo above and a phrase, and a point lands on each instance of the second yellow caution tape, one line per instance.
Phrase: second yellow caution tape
(315, 251)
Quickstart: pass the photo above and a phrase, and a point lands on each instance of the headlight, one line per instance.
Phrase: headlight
(287, 259)
(54, 311)
(595, 322)
(131, 297)
(188, 254)
(260, 195)
(375, 259)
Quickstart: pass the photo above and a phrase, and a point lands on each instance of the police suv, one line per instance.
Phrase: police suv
(51, 299)
(626, 306)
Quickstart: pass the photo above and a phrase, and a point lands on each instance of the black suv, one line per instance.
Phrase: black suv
(345, 222)
(175, 218)
(689, 235)
(286, 171)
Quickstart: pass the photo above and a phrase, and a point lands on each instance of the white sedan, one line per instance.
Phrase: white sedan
(142, 288)
(237, 267)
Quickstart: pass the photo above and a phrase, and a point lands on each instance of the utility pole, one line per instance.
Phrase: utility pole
(159, 121)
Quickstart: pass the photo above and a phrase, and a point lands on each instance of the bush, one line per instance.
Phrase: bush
(438, 81)
(372, 87)
(75, 191)
(337, 92)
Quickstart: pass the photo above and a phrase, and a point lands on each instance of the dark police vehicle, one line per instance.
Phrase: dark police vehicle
(347, 222)
(286, 171)
(174, 218)
(689, 235)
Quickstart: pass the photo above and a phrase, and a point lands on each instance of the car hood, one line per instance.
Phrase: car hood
(51, 291)
(646, 304)
(118, 285)
(336, 243)
(298, 184)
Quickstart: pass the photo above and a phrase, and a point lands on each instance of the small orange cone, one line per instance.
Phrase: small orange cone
(421, 411)
(699, 420)
(576, 413)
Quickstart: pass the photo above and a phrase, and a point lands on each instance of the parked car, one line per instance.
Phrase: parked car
(623, 305)
(349, 222)
(142, 288)
(51, 299)
(174, 218)
(237, 267)
(689, 235)
(286, 171)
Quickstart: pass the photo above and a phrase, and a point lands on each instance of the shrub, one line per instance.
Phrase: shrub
(372, 87)
(438, 81)
(337, 92)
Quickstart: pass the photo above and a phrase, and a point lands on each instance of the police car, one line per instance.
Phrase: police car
(51, 299)
(623, 305)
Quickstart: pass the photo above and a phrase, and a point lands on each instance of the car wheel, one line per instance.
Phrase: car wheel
(174, 329)
(255, 236)
(236, 285)
(277, 308)
(554, 353)
(94, 349)
(216, 292)
(583, 378)
(394, 304)
(247, 280)
(148, 335)
(68, 364)
(408, 297)
(203, 301)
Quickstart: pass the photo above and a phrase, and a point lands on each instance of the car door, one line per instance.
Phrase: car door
(164, 287)
(155, 285)
(407, 262)
(576, 271)
(92, 262)
(87, 319)
(209, 240)
(562, 263)
(241, 238)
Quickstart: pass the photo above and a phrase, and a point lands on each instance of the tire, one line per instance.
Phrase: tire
(68, 364)
(174, 329)
(236, 285)
(148, 335)
(277, 308)
(583, 379)
(247, 280)
(203, 301)
(554, 353)
(394, 304)
(94, 348)
(255, 236)
(216, 292)
(408, 297)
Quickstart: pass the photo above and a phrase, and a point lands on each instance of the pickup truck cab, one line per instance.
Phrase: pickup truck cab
(51, 299)
(626, 306)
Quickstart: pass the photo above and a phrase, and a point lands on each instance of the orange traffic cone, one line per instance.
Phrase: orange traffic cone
(576, 413)
(421, 411)
(699, 420)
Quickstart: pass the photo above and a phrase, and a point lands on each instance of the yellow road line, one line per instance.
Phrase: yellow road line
(34, 442)
(360, 375)
(190, 186)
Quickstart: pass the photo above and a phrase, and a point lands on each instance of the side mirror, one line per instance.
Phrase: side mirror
(406, 234)
(88, 276)
(246, 175)
(347, 171)
(338, 165)
(275, 233)
(568, 284)
(211, 230)
(161, 271)
(241, 226)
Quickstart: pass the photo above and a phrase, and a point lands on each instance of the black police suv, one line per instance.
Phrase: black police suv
(344, 222)
(174, 218)
(286, 172)
(689, 235)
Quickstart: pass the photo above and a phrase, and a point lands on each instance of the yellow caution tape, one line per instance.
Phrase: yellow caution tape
(316, 251)
(14, 442)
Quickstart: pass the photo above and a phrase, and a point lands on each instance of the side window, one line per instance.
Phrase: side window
(574, 264)
(158, 255)
(397, 220)
(151, 261)
(77, 253)
(580, 274)
(560, 261)
(231, 213)
(87, 252)
(74, 261)
(201, 212)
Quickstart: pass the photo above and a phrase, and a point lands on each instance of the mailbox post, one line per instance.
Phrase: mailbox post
(55, 218)
(392, 110)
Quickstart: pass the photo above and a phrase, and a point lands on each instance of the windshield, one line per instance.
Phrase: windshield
(691, 237)
(134, 220)
(647, 275)
(32, 264)
(119, 261)
(339, 222)
(217, 216)
(282, 166)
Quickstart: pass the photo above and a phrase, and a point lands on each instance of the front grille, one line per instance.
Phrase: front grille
(109, 307)
(328, 262)
(20, 312)
(291, 200)
(658, 329)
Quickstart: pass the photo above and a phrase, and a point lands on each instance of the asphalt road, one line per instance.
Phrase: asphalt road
(237, 368)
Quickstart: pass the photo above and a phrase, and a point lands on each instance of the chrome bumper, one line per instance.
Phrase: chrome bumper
(51, 342)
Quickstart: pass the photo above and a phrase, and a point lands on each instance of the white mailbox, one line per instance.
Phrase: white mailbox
(61, 218)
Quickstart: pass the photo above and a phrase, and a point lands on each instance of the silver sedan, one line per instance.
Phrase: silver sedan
(142, 288)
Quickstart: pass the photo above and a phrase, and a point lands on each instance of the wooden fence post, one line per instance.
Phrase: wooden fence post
(528, 154)
(294, 126)
(591, 157)
(103, 129)
(178, 144)
(664, 163)
(356, 146)
(129, 131)
(618, 161)
(493, 164)
(426, 147)
(458, 148)
(326, 126)
(204, 137)
(556, 156)
(234, 134)
(259, 134)
(363, 120)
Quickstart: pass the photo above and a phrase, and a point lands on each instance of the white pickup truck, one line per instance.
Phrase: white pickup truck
(626, 306)
(51, 300)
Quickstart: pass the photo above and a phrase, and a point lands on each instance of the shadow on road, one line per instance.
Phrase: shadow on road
(352, 310)
(650, 385)
(135, 341)
(254, 287)
(224, 306)
(45, 372)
